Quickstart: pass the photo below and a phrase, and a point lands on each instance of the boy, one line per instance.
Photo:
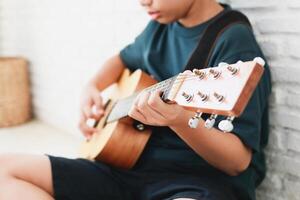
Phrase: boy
(178, 162)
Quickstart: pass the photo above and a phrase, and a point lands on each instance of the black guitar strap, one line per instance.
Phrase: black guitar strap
(214, 30)
(202, 53)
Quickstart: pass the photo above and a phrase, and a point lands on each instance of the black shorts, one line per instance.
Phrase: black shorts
(80, 179)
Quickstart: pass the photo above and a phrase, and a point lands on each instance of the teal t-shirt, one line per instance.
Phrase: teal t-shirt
(163, 51)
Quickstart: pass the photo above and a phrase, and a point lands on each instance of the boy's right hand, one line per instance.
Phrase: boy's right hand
(91, 107)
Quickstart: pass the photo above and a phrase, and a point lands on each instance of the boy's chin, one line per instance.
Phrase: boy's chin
(164, 21)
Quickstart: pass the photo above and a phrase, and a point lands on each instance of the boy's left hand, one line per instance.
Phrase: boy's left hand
(150, 109)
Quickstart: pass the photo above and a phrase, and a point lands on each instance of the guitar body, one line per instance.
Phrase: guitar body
(224, 90)
(118, 143)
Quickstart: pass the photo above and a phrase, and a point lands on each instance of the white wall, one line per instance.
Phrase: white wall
(67, 40)
(278, 31)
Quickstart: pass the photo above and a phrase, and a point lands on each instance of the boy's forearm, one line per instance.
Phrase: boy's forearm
(224, 151)
(109, 73)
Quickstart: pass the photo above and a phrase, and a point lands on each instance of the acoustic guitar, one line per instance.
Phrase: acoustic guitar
(223, 90)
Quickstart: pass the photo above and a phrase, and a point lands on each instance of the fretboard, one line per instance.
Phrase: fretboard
(122, 106)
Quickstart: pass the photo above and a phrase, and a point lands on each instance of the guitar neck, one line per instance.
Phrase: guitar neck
(122, 106)
(224, 90)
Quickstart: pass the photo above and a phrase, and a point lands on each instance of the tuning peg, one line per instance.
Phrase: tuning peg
(260, 61)
(216, 74)
(188, 97)
(201, 74)
(226, 125)
(204, 97)
(220, 98)
(194, 121)
(210, 122)
(233, 70)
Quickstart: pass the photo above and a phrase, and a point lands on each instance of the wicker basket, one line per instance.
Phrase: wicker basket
(15, 104)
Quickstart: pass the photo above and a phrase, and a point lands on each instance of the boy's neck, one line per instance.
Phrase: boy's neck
(199, 12)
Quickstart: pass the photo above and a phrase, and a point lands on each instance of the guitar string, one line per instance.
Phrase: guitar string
(165, 83)
(125, 102)
(183, 77)
(161, 85)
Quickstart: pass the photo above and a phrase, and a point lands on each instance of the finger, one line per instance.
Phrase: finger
(137, 115)
(96, 113)
(90, 112)
(152, 116)
(141, 101)
(87, 110)
(98, 102)
(156, 103)
(85, 129)
(141, 104)
(138, 98)
(166, 110)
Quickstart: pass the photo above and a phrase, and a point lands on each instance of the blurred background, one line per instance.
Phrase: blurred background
(66, 41)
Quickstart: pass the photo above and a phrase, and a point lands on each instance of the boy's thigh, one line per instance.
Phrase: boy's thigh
(78, 179)
(34, 169)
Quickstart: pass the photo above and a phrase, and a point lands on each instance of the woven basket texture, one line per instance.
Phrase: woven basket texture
(15, 100)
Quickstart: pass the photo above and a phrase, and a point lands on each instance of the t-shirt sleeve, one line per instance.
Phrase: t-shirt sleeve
(132, 54)
(244, 47)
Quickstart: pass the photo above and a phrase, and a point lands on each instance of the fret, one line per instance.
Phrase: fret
(224, 91)
(122, 106)
(168, 88)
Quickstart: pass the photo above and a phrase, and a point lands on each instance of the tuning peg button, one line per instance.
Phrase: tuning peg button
(210, 122)
(194, 121)
(226, 125)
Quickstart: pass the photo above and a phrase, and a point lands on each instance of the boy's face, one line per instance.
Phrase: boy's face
(166, 11)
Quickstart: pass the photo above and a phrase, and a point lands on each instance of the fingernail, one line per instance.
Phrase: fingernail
(90, 122)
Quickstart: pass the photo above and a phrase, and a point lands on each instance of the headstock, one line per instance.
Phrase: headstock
(223, 90)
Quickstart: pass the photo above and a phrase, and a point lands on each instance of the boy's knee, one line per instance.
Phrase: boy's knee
(5, 157)
(4, 173)
(6, 165)
(6, 187)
